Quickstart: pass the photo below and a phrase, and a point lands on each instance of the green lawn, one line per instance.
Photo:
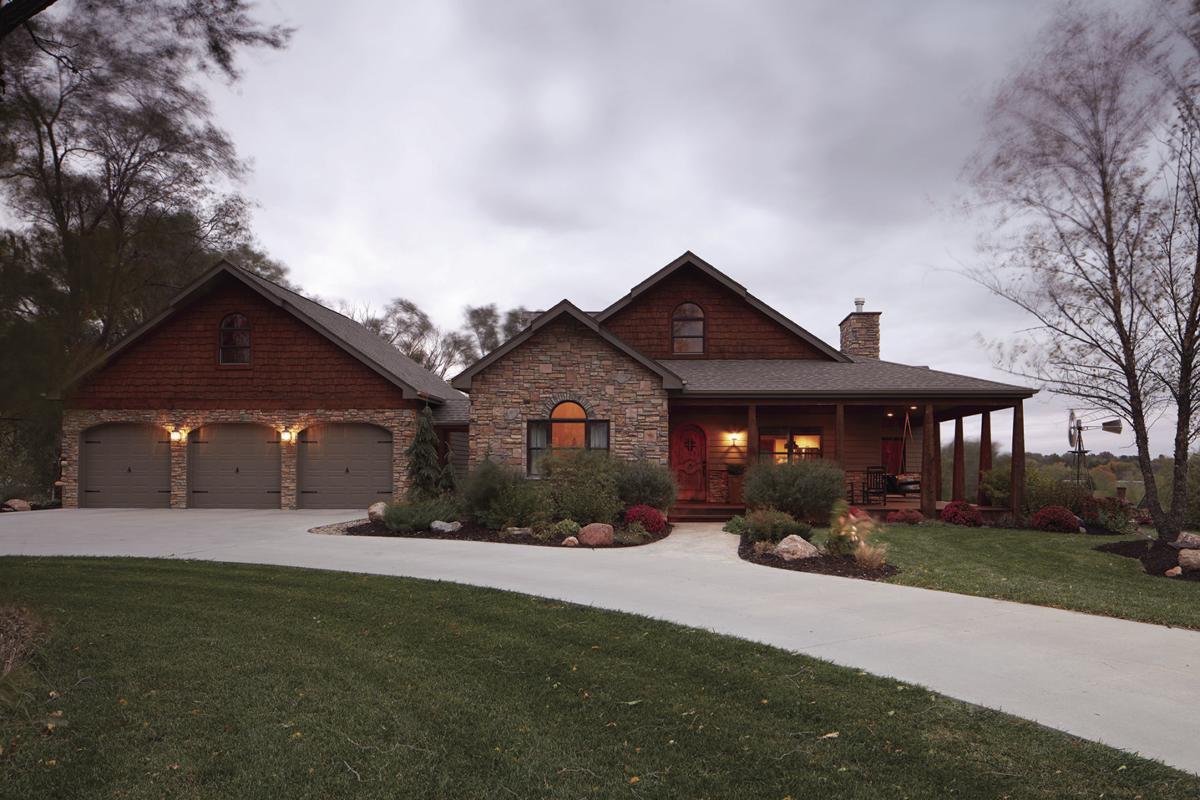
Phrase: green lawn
(194, 680)
(1049, 569)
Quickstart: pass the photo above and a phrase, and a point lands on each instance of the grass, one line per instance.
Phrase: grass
(194, 680)
(1048, 569)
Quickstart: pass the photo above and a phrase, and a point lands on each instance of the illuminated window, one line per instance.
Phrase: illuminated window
(788, 445)
(568, 428)
(233, 340)
(687, 329)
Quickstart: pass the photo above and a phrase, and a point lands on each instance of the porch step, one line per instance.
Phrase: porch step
(705, 512)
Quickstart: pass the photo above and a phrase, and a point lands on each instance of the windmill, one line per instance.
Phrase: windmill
(1076, 425)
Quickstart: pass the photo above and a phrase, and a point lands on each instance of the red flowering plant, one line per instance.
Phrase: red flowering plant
(1055, 519)
(650, 518)
(961, 512)
(908, 516)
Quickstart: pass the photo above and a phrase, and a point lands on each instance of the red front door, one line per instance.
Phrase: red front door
(689, 448)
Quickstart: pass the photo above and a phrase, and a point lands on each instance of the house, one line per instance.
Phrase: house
(245, 394)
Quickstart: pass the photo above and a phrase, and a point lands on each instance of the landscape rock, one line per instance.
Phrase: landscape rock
(375, 512)
(16, 505)
(570, 541)
(1187, 541)
(795, 547)
(445, 527)
(518, 531)
(1189, 560)
(597, 534)
(1174, 572)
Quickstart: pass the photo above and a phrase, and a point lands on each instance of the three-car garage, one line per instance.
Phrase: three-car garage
(237, 465)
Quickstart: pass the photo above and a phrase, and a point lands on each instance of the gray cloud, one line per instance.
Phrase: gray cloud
(521, 152)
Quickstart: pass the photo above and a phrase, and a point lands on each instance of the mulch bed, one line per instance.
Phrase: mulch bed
(841, 566)
(469, 532)
(1156, 556)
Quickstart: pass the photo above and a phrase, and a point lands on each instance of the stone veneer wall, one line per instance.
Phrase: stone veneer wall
(567, 361)
(860, 334)
(400, 421)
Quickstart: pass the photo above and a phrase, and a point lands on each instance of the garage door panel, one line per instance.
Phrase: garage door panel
(343, 465)
(126, 465)
(235, 465)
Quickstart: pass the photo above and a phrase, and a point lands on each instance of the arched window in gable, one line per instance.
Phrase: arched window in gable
(687, 329)
(233, 340)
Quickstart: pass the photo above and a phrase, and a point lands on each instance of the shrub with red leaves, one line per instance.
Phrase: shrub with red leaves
(909, 516)
(650, 518)
(961, 512)
(1055, 519)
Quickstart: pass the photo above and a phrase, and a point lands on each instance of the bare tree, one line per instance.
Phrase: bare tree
(1092, 239)
(403, 324)
(487, 328)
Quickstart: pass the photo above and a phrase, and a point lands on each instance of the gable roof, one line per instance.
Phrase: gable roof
(860, 377)
(564, 308)
(411, 378)
(691, 259)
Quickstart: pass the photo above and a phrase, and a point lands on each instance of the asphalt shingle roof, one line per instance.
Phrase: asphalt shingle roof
(862, 376)
(455, 411)
(368, 344)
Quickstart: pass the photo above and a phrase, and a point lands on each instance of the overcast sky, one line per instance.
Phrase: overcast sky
(521, 152)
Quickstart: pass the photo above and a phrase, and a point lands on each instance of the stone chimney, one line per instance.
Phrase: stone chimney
(860, 331)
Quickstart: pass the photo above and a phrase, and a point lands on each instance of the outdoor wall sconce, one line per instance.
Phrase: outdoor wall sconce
(286, 436)
(891, 413)
(176, 436)
(735, 439)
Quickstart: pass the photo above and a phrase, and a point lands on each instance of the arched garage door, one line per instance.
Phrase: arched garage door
(343, 465)
(125, 465)
(234, 465)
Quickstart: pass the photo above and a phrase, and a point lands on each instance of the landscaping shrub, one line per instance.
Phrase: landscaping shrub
(632, 534)
(20, 635)
(646, 483)
(1110, 514)
(870, 556)
(807, 489)
(581, 485)
(566, 527)
(908, 516)
(769, 525)
(424, 465)
(1055, 519)
(961, 512)
(498, 497)
(736, 525)
(650, 518)
(1044, 486)
(848, 528)
(418, 515)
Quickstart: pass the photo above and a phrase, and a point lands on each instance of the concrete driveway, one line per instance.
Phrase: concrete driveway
(1126, 684)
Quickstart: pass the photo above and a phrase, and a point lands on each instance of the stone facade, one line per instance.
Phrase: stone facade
(567, 361)
(401, 422)
(860, 332)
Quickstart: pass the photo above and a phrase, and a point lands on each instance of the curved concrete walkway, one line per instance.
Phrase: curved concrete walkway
(1126, 684)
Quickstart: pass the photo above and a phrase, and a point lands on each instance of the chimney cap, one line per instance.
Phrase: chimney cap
(859, 302)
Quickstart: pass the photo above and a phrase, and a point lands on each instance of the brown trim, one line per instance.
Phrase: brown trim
(1017, 477)
(985, 453)
(929, 457)
(958, 489)
(462, 381)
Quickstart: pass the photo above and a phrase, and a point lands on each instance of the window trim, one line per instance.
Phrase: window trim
(590, 424)
(249, 347)
(703, 337)
(792, 432)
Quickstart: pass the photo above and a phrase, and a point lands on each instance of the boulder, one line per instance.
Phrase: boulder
(570, 541)
(16, 505)
(1173, 572)
(1187, 541)
(597, 534)
(794, 547)
(375, 512)
(1189, 560)
(445, 527)
(518, 531)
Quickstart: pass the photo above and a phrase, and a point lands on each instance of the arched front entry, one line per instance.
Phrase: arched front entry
(689, 459)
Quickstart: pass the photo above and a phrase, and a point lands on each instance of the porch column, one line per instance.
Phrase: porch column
(937, 461)
(959, 489)
(839, 435)
(985, 453)
(929, 455)
(751, 434)
(1017, 487)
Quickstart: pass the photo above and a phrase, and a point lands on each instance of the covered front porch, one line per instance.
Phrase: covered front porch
(881, 444)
